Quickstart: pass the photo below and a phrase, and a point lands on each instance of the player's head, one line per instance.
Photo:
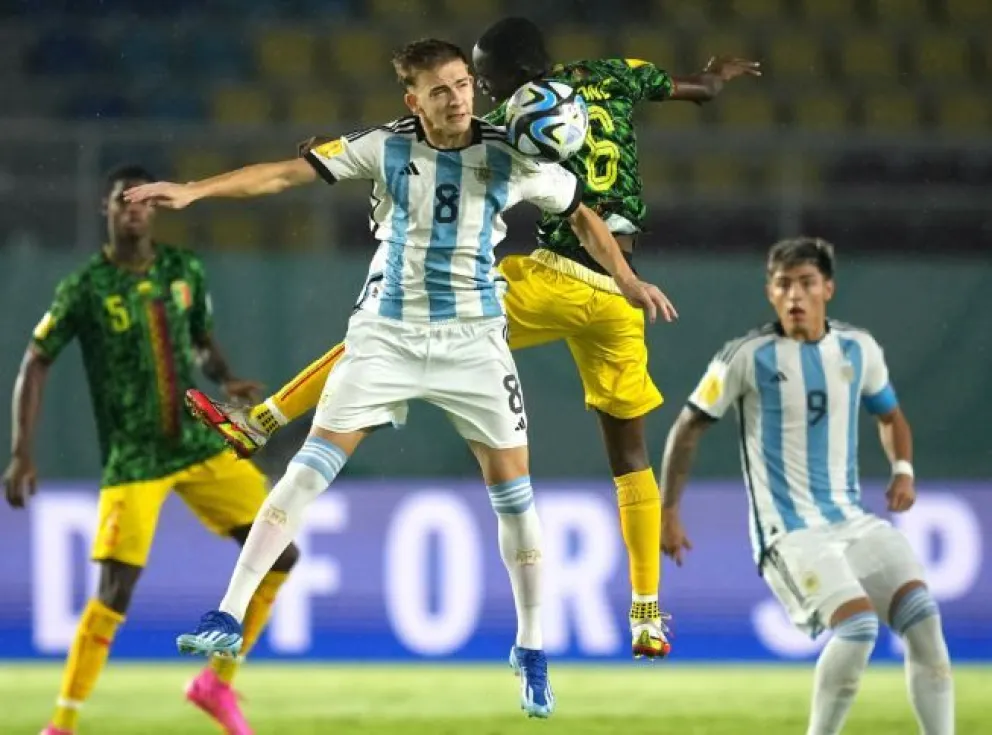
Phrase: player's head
(800, 283)
(510, 53)
(126, 219)
(438, 84)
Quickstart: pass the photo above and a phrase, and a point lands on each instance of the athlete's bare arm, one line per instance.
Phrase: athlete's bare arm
(708, 83)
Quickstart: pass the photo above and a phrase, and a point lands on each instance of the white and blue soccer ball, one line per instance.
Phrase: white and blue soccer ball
(547, 120)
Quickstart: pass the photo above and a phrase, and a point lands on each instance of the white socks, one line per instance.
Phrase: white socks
(309, 473)
(839, 670)
(928, 665)
(520, 548)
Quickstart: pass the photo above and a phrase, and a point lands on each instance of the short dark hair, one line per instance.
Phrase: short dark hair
(126, 172)
(423, 55)
(515, 46)
(800, 251)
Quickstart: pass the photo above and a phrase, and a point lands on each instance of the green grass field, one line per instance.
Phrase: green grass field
(482, 700)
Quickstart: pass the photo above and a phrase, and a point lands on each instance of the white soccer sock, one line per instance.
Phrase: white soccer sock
(928, 664)
(520, 549)
(309, 473)
(839, 670)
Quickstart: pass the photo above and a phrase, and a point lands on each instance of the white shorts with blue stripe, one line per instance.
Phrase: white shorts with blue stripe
(813, 571)
(463, 367)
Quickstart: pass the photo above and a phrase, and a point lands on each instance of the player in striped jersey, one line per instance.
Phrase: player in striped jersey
(558, 292)
(428, 322)
(797, 385)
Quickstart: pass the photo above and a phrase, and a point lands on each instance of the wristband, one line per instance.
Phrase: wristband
(902, 467)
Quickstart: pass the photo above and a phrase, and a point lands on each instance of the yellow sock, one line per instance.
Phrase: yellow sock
(640, 520)
(298, 395)
(256, 616)
(87, 657)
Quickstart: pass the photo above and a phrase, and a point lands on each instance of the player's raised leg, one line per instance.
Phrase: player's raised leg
(246, 429)
(370, 387)
(225, 495)
(612, 360)
(309, 473)
(639, 505)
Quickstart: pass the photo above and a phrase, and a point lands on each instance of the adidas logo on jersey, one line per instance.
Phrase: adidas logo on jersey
(779, 377)
(410, 170)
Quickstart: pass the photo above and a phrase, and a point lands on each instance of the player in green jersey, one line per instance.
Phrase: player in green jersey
(141, 313)
(559, 293)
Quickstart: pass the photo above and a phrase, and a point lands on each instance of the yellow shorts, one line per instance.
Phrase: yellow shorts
(224, 492)
(604, 333)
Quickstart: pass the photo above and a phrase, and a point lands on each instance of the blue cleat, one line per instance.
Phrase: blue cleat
(218, 633)
(536, 697)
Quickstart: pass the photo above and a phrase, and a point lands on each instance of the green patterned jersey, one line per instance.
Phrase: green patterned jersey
(608, 161)
(137, 334)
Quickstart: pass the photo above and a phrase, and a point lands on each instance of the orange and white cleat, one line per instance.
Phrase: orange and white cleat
(649, 637)
(232, 422)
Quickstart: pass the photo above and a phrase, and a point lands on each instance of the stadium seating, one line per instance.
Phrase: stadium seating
(882, 67)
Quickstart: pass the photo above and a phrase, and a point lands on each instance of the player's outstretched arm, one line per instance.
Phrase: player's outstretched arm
(708, 83)
(597, 239)
(680, 451)
(251, 181)
(20, 478)
(897, 441)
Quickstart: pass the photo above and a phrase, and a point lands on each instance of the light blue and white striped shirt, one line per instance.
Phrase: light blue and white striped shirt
(797, 403)
(437, 214)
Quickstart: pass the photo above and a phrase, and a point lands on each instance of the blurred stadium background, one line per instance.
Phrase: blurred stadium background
(872, 127)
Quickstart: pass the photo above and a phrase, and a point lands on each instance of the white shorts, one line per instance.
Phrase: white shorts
(816, 570)
(465, 368)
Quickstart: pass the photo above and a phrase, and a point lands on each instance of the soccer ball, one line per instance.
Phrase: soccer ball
(547, 119)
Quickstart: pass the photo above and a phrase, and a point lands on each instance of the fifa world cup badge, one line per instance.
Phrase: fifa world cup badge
(847, 372)
(329, 150)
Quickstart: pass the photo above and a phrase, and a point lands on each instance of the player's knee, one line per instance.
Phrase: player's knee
(912, 605)
(287, 559)
(117, 583)
(512, 498)
(860, 627)
(311, 470)
(625, 445)
(628, 461)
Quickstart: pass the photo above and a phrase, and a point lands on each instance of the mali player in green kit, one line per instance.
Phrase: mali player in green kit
(141, 314)
(559, 293)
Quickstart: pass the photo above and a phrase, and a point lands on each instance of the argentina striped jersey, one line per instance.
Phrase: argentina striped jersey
(436, 214)
(797, 405)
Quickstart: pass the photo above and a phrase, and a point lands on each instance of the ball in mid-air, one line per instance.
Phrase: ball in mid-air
(547, 119)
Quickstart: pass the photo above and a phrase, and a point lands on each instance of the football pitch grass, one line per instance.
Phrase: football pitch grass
(481, 700)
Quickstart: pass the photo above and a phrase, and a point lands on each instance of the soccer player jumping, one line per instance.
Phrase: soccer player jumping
(141, 313)
(428, 324)
(559, 292)
(797, 384)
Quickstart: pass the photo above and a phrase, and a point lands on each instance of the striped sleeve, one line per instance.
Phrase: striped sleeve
(723, 382)
(877, 394)
(353, 156)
